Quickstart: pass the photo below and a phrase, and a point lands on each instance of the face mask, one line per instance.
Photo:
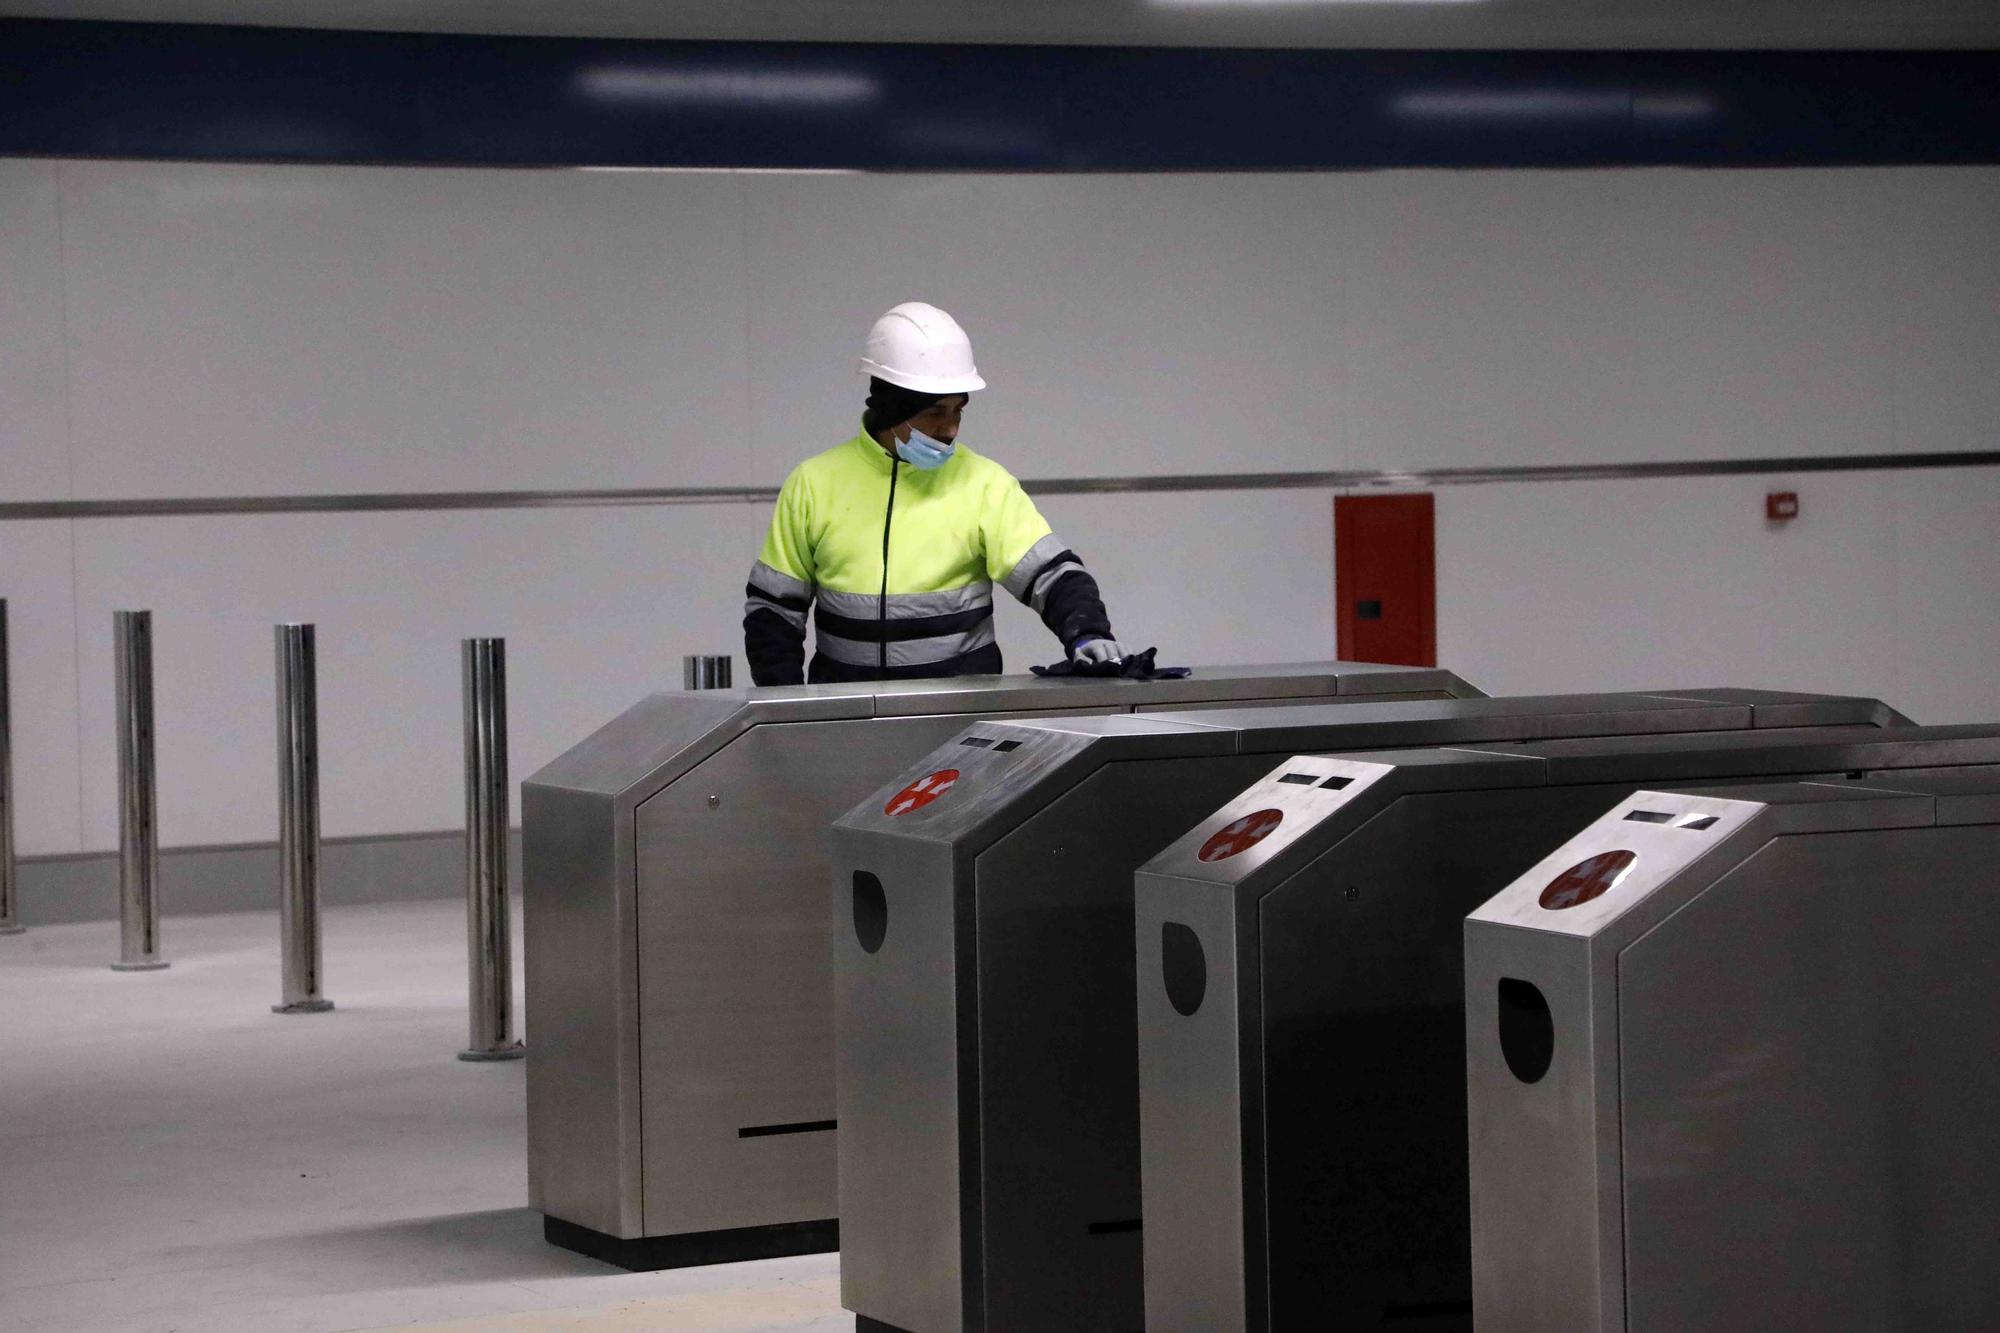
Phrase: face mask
(922, 452)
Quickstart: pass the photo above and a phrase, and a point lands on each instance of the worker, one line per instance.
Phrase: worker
(900, 533)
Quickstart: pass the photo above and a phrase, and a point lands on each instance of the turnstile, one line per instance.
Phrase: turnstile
(680, 1077)
(1731, 1057)
(987, 1089)
(1300, 983)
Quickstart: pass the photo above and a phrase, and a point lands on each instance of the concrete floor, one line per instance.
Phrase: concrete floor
(174, 1156)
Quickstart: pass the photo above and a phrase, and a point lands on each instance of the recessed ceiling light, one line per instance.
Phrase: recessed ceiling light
(724, 171)
(1549, 104)
(1510, 103)
(726, 87)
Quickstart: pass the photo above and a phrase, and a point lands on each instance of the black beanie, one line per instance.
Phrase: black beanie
(891, 405)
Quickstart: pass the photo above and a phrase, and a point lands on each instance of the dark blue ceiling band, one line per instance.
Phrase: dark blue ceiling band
(185, 91)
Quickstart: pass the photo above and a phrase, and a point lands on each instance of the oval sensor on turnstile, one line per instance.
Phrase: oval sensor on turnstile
(1588, 879)
(871, 912)
(1241, 836)
(1527, 1031)
(1183, 967)
(921, 792)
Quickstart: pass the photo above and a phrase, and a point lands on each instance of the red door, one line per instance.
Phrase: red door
(1385, 579)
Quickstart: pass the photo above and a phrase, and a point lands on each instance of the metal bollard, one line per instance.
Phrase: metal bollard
(705, 673)
(298, 822)
(8, 925)
(138, 802)
(489, 947)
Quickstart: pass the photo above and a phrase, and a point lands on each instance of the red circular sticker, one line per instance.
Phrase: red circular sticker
(1241, 836)
(921, 792)
(1588, 879)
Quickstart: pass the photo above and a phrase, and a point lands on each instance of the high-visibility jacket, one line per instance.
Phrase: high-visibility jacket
(899, 565)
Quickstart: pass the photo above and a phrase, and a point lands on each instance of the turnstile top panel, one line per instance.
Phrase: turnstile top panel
(1787, 708)
(1429, 722)
(1312, 822)
(1960, 796)
(969, 782)
(650, 735)
(967, 793)
(1591, 886)
(1106, 725)
(1276, 822)
(1817, 807)
(668, 733)
(1283, 680)
(1812, 750)
(1964, 796)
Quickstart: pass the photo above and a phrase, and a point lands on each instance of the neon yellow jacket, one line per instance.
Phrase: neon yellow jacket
(902, 564)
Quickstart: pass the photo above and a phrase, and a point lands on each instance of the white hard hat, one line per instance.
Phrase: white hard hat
(920, 347)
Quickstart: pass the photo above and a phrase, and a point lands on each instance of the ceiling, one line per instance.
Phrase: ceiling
(1432, 24)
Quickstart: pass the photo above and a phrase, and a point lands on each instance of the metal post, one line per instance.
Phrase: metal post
(138, 802)
(490, 952)
(705, 673)
(298, 822)
(8, 925)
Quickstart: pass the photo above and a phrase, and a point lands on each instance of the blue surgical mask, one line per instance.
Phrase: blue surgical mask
(922, 452)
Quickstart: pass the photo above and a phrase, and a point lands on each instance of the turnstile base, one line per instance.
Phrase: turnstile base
(690, 1249)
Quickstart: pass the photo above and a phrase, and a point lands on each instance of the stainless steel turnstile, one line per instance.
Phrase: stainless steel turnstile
(1731, 1062)
(680, 1082)
(1301, 1047)
(987, 1089)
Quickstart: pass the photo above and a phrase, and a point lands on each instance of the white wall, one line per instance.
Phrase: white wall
(1888, 584)
(185, 329)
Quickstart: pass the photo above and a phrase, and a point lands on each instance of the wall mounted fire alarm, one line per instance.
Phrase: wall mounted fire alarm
(1780, 506)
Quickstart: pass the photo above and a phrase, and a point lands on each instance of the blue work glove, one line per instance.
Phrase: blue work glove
(1092, 652)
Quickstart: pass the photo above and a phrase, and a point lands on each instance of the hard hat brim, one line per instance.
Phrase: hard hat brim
(923, 383)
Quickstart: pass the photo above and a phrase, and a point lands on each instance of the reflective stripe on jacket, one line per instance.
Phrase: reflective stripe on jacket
(902, 564)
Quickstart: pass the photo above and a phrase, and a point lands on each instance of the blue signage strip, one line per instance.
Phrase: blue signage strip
(135, 90)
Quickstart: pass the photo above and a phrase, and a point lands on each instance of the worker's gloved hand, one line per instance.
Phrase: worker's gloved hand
(1096, 652)
(1130, 666)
